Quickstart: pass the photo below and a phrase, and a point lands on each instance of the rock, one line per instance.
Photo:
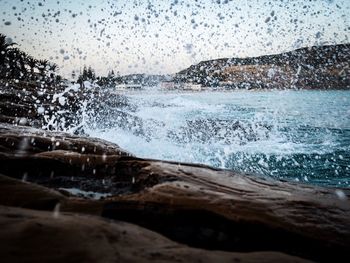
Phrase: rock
(22, 194)
(191, 204)
(33, 236)
(60, 159)
(25, 141)
(20, 101)
(58, 107)
(215, 209)
(17, 193)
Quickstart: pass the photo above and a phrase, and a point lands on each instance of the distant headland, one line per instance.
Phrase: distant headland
(320, 67)
(317, 67)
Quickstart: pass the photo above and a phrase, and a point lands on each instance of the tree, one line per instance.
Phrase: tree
(4, 47)
(91, 74)
(22, 60)
(43, 66)
(52, 69)
(32, 63)
(17, 64)
(111, 74)
(13, 61)
(87, 74)
(84, 75)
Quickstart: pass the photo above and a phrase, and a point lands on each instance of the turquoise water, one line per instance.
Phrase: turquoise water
(295, 135)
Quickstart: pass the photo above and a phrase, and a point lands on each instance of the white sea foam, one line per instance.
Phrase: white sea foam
(271, 133)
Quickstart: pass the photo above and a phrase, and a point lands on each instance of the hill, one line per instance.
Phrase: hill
(319, 67)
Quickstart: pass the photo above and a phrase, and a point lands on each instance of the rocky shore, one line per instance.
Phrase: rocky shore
(73, 198)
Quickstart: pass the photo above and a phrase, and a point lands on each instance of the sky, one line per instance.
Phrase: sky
(164, 37)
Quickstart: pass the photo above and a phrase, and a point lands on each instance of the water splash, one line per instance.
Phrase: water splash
(275, 133)
(56, 211)
(25, 177)
(341, 195)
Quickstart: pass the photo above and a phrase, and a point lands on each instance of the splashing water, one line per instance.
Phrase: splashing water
(295, 135)
(56, 211)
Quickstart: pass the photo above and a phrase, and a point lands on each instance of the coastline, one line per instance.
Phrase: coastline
(219, 214)
(209, 90)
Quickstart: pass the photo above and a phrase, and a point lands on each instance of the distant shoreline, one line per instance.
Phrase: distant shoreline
(209, 90)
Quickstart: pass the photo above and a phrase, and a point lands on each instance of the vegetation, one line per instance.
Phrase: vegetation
(322, 67)
(88, 74)
(18, 65)
(15, 64)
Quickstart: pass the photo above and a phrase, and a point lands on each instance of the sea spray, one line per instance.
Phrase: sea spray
(275, 133)
(56, 211)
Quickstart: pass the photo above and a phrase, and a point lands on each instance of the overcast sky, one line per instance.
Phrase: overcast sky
(167, 36)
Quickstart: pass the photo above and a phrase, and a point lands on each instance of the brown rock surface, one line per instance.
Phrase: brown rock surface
(33, 236)
(59, 158)
(17, 193)
(192, 204)
(22, 194)
(210, 208)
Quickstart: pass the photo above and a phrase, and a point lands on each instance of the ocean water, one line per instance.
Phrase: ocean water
(300, 136)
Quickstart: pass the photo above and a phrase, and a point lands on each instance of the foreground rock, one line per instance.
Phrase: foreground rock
(59, 159)
(66, 107)
(195, 205)
(33, 236)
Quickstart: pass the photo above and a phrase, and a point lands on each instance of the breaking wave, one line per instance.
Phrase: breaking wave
(294, 135)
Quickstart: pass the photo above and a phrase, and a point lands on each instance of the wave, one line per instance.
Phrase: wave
(236, 131)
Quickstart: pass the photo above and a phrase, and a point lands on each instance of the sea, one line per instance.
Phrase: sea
(295, 135)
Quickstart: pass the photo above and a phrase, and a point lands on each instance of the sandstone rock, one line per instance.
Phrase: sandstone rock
(17, 193)
(33, 236)
(210, 208)
(192, 204)
(22, 194)
(60, 159)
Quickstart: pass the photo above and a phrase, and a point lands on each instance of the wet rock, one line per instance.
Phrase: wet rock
(19, 193)
(22, 194)
(26, 103)
(32, 236)
(217, 209)
(57, 107)
(60, 159)
(192, 204)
